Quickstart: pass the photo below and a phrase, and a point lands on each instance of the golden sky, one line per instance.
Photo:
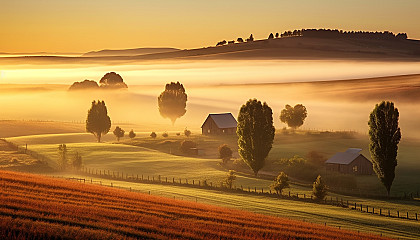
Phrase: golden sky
(86, 25)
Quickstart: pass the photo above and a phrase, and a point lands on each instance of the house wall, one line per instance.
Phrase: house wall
(210, 128)
(360, 166)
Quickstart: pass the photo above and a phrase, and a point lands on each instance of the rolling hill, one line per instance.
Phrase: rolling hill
(62, 209)
(304, 48)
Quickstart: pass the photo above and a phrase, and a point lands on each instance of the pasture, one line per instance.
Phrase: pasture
(83, 211)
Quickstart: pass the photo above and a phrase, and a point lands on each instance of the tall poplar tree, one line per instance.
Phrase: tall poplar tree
(384, 136)
(98, 122)
(256, 133)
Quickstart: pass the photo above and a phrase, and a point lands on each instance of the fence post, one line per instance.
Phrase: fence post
(111, 184)
(373, 210)
(367, 208)
(380, 211)
(173, 180)
(193, 181)
(255, 189)
(262, 190)
(289, 193)
(361, 208)
(407, 215)
(416, 217)
(137, 177)
(398, 214)
(166, 179)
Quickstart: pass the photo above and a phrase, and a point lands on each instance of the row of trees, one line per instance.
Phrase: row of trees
(327, 33)
(110, 80)
(256, 131)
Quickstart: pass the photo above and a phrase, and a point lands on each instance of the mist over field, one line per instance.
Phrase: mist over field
(212, 87)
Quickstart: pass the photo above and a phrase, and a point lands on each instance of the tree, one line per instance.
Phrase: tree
(256, 133)
(225, 153)
(384, 135)
(98, 122)
(277, 35)
(77, 161)
(153, 135)
(85, 85)
(131, 134)
(271, 36)
(187, 132)
(250, 39)
(294, 116)
(165, 135)
(280, 182)
(62, 152)
(240, 40)
(319, 189)
(230, 179)
(173, 101)
(119, 133)
(112, 80)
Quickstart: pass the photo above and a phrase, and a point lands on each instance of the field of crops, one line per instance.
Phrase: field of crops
(45, 208)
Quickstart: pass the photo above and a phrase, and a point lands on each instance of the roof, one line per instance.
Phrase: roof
(223, 120)
(345, 157)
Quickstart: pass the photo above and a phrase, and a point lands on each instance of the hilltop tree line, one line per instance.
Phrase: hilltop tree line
(326, 33)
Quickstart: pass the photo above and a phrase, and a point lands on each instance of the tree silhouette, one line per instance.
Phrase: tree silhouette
(271, 36)
(230, 179)
(319, 189)
(131, 134)
(112, 80)
(86, 84)
(240, 40)
(250, 39)
(294, 116)
(187, 132)
(62, 152)
(98, 122)
(225, 153)
(384, 135)
(256, 133)
(153, 135)
(277, 35)
(119, 133)
(77, 161)
(173, 101)
(280, 182)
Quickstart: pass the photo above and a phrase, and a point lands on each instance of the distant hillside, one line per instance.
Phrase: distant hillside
(128, 52)
(290, 48)
(36, 207)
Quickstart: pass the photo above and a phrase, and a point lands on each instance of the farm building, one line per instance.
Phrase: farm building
(351, 162)
(221, 123)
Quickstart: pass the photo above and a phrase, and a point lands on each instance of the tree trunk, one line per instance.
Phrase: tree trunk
(99, 137)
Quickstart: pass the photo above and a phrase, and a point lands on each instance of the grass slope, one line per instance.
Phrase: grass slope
(63, 209)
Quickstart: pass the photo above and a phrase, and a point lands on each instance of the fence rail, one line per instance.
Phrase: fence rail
(203, 184)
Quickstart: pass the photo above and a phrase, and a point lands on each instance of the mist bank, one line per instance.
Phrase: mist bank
(209, 72)
(332, 105)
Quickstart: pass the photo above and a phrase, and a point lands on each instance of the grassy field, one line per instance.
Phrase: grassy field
(303, 211)
(285, 146)
(84, 211)
(150, 157)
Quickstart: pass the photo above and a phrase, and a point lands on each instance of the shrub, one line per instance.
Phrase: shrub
(153, 135)
(178, 134)
(187, 132)
(230, 179)
(225, 153)
(187, 145)
(319, 189)
(165, 134)
(131, 134)
(280, 182)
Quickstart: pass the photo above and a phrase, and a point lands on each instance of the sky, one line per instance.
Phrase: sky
(86, 25)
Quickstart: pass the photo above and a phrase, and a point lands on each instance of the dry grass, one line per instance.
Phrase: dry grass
(81, 211)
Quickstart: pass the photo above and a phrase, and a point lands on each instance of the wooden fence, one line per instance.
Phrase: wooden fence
(203, 184)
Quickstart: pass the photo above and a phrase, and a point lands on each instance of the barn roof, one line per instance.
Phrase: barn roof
(222, 120)
(345, 157)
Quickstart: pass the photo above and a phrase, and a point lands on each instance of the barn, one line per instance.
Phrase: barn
(220, 123)
(350, 162)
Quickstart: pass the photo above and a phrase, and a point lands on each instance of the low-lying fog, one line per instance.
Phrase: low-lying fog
(208, 89)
